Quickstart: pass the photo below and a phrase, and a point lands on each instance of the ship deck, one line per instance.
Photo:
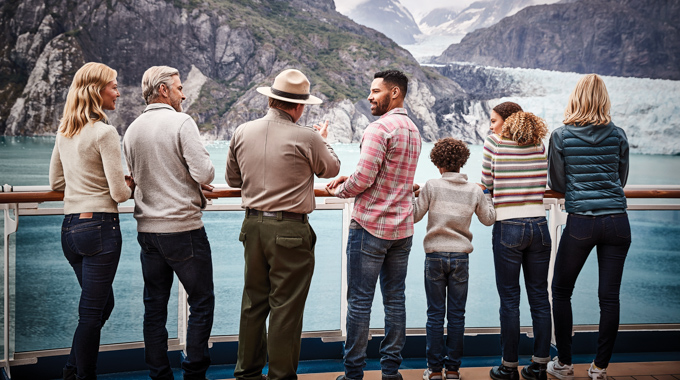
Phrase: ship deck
(642, 370)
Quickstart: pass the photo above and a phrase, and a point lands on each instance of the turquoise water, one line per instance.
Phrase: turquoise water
(47, 291)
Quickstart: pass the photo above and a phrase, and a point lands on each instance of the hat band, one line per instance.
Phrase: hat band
(289, 95)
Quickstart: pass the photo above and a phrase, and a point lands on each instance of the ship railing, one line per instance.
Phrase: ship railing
(17, 201)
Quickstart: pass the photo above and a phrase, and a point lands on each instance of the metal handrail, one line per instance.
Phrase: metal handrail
(25, 195)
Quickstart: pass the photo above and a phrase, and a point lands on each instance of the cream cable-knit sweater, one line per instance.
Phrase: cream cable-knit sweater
(451, 202)
(88, 169)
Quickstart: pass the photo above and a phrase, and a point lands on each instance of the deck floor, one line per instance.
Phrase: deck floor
(657, 370)
(616, 371)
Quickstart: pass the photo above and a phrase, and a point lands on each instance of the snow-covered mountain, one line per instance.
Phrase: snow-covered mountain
(480, 14)
(389, 17)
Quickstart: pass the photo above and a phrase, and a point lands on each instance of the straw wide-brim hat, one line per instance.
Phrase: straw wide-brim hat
(291, 86)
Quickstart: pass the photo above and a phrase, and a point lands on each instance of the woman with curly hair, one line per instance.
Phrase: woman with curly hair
(86, 166)
(589, 164)
(515, 169)
(452, 202)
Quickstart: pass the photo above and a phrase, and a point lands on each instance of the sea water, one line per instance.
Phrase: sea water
(46, 291)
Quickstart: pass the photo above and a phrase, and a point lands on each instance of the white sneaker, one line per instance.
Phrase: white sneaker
(559, 370)
(429, 375)
(597, 373)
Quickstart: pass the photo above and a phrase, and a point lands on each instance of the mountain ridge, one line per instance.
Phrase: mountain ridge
(622, 38)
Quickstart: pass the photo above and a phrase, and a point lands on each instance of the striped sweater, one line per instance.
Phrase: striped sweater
(516, 175)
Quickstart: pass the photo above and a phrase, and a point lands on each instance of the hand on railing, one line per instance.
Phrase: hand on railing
(130, 182)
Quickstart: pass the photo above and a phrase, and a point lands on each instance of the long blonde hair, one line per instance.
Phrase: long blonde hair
(589, 102)
(84, 102)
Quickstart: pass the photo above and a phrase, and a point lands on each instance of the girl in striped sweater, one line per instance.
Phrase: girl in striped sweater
(514, 169)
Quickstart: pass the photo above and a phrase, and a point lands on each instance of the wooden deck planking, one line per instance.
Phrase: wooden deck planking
(616, 371)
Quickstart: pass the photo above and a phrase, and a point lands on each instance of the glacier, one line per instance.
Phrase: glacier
(646, 109)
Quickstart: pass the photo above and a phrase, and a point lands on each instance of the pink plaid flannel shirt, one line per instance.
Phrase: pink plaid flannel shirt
(383, 181)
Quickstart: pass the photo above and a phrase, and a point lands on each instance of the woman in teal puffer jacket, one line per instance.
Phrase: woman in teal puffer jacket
(588, 162)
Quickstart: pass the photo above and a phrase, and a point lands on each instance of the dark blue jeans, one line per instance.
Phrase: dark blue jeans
(446, 287)
(92, 245)
(188, 255)
(370, 258)
(611, 235)
(523, 244)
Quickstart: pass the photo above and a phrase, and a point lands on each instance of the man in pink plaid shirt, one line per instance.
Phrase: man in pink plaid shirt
(381, 231)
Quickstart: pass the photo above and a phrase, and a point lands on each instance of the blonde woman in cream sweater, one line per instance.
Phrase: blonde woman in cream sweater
(86, 166)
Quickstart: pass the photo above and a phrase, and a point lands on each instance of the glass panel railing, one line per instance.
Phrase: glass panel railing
(482, 303)
(322, 310)
(46, 296)
(650, 288)
(47, 291)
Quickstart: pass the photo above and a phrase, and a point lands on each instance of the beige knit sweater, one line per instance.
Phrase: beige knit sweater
(88, 169)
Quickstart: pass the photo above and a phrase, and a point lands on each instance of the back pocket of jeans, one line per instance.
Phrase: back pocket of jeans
(622, 225)
(373, 246)
(580, 228)
(545, 233)
(288, 241)
(176, 246)
(461, 271)
(87, 238)
(433, 269)
(511, 233)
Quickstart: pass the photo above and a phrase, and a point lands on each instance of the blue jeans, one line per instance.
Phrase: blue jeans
(445, 270)
(523, 244)
(92, 246)
(611, 235)
(370, 258)
(188, 255)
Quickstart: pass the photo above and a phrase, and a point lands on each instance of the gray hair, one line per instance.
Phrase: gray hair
(152, 80)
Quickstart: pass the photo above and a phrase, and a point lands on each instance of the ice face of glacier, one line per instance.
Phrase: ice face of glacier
(646, 109)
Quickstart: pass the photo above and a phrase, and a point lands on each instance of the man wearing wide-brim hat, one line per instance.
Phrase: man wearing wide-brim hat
(273, 161)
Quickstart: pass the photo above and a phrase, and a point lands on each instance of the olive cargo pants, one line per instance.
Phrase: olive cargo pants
(279, 263)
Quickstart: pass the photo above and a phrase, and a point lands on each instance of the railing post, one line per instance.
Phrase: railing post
(346, 220)
(182, 316)
(10, 228)
(556, 219)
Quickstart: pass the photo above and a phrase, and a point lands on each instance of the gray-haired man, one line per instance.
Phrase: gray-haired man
(169, 163)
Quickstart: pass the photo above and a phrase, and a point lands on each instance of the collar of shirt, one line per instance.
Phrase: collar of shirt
(455, 177)
(395, 111)
(277, 114)
(157, 106)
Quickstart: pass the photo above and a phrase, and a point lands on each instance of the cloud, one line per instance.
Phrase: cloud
(344, 6)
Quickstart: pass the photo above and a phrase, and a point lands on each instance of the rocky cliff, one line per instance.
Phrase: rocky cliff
(637, 38)
(223, 49)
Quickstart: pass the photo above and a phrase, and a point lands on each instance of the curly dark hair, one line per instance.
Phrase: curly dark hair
(450, 154)
(525, 128)
(506, 109)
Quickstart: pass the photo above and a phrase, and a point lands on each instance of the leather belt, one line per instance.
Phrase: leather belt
(275, 214)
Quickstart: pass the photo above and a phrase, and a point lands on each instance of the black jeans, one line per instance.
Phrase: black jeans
(611, 235)
(92, 245)
(188, 255)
